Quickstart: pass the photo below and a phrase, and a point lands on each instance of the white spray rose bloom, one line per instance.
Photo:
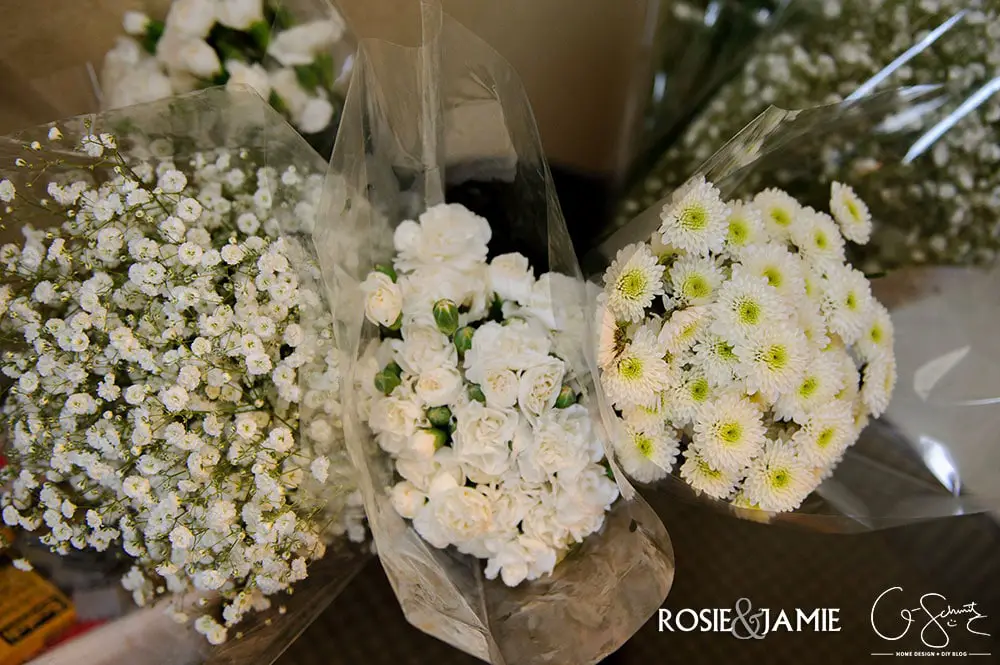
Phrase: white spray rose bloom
(407, 499)
(511, 277)
(423, 444)
(286, 85)
(397, 416)
(199, 58)
(383, 299)
(482, 437)
(500, 387)
(423, 349)
(191, 18)
(135, 23)
(449, 235)
(439, 386)
(315, 116)
(453, 514)
(558, 445)
(539, 387)
(252, 76)
(514, 346)
(300, 44)
(239, 14)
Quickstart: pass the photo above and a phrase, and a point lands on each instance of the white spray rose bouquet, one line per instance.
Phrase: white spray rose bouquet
(495, 454)
(739, 335)
(253, 43)
(171, 384)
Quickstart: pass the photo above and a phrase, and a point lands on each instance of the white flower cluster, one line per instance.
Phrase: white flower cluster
(940, 208)
(210, 42)
(175, 388)
(740, 333)
(478, 405)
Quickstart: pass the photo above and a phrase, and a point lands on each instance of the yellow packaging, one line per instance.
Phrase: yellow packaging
(32, 614)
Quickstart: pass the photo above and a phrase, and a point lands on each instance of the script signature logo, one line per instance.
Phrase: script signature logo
(939, 617)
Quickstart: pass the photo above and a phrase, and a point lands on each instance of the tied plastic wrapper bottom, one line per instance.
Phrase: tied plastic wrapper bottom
(178, 129)
(933, 453)
(450, 120)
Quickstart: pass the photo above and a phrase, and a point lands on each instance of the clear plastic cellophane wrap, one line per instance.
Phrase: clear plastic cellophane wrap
(932, 453)
(235, 531)
(929, 178)
(448, 120)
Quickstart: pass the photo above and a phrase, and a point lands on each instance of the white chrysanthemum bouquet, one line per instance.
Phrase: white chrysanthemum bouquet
(290, 59)
(476, 405)
(739, 340)
(171, 384)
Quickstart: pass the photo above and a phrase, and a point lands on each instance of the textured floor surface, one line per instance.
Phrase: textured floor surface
(721, 559)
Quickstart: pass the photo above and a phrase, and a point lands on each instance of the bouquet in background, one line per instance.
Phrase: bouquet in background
(172, 381)
(294, 55)
(929, 177)
(481, 414)
(739, 336)
(934, 344)
(498, 486)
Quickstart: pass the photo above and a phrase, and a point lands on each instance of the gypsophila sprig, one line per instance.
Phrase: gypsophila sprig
(936, 204)
(174, 385)
(478, 402)
(764, 357)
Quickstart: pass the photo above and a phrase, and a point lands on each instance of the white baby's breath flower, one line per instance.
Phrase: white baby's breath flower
(7, 190)
(634, 279)
(696, 220)
(851, 213)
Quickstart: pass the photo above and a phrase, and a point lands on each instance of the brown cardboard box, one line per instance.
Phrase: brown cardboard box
(584, 64)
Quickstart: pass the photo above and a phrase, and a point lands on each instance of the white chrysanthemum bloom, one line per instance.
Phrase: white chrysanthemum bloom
(639, 373)
(681, 331)
(647, 455)
(878, 383)
(745, 306)
(818, 239)
(728, 432)
(687, 396)
(693, 281)
(851, 213)
(696, 220)
(716, 357)
(746, 228)
(773, 361)
(778, 480)
(612, 336)
(876, 341)
(649, 418)
(810, 321)
(700, 475)
(821, 381)
(825, 433)
(773, 261)
(847, 302)
(632, 282)
(780, 212)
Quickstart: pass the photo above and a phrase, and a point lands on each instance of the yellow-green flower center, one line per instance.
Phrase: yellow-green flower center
(851, 301)
(808, 387)
(696, 286)
(821, 240)
(748, 311)
(875, 334)
(699, 389)
(780, 478)
(852, 208)
(707, 470)
(775, 356)
(730, 432)
(632, 284)
(774, 276)
(694, 218)
(825, 437)
(781, 217)
(724, 350)
(739, 232)
(630, 369)
(644, 444)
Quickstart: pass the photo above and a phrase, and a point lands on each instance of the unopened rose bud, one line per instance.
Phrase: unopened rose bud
(425, 442)
(463, 339)
(386, 382)
(476, 393)
(567, 397)
(439, 416)
(446, 316)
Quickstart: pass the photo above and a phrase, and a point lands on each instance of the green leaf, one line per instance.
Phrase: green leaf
(278, 104)
(308, 77)
(386, 269)
(476, 393)
(154, 30)
(260, 31)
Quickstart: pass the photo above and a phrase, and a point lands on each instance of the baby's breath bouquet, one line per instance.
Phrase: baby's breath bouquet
(929, 176)
(474, 422)
(171, 385)
(292, 52)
